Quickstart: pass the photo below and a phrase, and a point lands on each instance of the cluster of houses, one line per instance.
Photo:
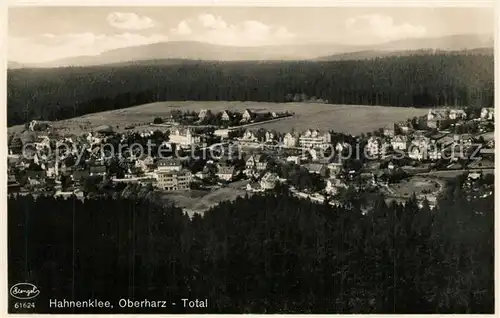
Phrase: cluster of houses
(170, 174)
(430, 144)
(310, 139)
(247, 115)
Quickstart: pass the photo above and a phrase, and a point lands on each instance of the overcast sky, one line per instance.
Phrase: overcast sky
(50, 33)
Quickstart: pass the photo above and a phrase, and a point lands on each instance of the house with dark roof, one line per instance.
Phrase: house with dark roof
(436, 117)
(488, 113)
(169, 164)
(98, 170)
(404, 127)
(257, 162)
(202, 114)
(317, 168)
(226, 173)
(36, 177)
(268, 181)
(226, 116)
(79, 175)
(389, 131)
(400, 142)
(247, 116)
(457, 114)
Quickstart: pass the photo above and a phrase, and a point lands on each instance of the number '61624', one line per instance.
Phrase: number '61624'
(24, 305)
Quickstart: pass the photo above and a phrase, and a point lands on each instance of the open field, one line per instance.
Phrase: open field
(417, 185)
(351, 119)
(198, 201)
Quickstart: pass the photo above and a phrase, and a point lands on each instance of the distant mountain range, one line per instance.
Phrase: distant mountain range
(176, 52)
(14, 65)
(364, 55)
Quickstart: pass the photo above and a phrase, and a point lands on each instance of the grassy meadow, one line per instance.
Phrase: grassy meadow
(351, 119)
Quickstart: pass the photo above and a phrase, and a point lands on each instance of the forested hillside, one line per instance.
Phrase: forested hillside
(266, 254)
(419, 80)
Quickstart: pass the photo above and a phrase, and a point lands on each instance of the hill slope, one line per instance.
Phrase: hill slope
(422, 80)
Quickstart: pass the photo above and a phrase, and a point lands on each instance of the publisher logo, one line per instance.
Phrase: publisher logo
(24, 291)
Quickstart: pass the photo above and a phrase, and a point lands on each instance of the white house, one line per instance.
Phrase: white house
(416, 153)
(333, 184)
(404, 126)
(474, 175)
(340, 146)
(169, 165)
(202, 114)
(258, 161)
(225, 116)
(373, 147)
(465, 140)
(488, 113)
(270, 136)
(249, 136)
(143, 162)
(93, 140)
(399, 142)
(431, 199)
(223, 133)
(205, 173)
(52, 169)
(294, 159)
(315, 139)
(457, 114)
(290, 140)
(43, 142)
(247, 116)
(183, 137)
(173, 180)
(269, 181)
(225, 173)
(334, 168)
(435, 153)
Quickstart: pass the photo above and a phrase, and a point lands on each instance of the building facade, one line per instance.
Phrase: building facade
(225, 116)
(183, 137)
(257, 162)
(269, 181)
(169, 165)
(173, 180)
(247, 116)
(290, 140)
(488, 113)
(373, 147)
(399, 142)
(315, 139)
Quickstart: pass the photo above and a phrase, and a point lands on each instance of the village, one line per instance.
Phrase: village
(221, 155)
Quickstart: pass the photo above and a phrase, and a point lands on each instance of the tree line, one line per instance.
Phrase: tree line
(420, 80)
(269, 253)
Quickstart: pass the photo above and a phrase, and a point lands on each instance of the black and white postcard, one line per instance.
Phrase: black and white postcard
(250, 160)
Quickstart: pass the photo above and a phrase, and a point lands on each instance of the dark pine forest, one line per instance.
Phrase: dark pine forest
(270, 253)
(420, 80)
